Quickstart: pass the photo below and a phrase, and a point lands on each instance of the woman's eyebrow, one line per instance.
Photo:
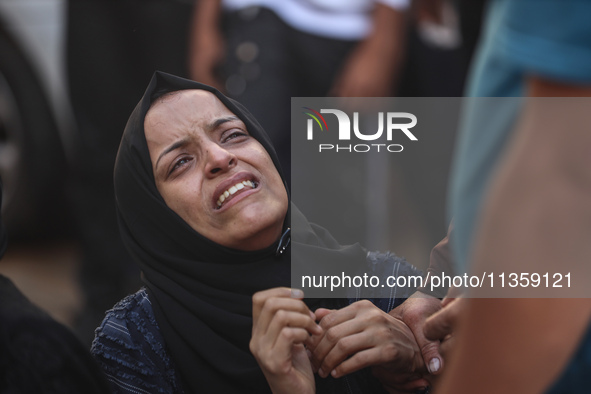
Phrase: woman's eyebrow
(178, 144)
(216, 123)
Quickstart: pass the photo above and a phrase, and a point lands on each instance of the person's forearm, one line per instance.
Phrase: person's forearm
(206, 15)
(388, 28)
(537, 218)
(206, 44)
(388, 37)
(372, 68)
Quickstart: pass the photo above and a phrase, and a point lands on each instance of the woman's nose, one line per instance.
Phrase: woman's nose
(219, 160)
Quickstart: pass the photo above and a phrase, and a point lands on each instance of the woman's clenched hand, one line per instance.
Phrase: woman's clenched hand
(282, 326)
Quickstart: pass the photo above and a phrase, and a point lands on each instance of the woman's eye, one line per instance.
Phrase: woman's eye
(233, 135)
(180, 163)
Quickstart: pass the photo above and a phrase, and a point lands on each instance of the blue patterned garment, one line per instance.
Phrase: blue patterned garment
(131, 351)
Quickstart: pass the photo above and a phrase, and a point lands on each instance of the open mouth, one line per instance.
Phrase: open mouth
(234, 190)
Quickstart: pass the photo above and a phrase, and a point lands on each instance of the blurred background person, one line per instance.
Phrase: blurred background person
(37, 354)
(440, 43)
(265, 52)
(520, 198)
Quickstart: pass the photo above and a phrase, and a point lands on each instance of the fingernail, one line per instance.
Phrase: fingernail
(321, 373)
(297, 293)
(434, 365)
(334, 373)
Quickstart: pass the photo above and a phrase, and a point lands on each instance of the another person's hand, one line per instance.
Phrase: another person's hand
(442, 324)
(282, 324)
(361, 335)
(414, 312)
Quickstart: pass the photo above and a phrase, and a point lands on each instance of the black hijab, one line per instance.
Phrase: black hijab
(201, 291)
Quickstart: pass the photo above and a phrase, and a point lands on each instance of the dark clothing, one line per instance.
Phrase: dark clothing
(132, 351)
(39, 355)
(3, 236)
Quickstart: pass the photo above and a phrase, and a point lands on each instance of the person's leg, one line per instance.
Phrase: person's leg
(257, 72)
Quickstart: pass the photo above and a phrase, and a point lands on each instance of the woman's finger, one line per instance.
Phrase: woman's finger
(320, 313)
(275, 305)
(350, 345)
(267, 303)
(331, 338)
(342, 315)
(259, 298)
(277, 359)
(284, 318)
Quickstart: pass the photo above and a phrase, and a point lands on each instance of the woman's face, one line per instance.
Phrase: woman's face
(212, 173)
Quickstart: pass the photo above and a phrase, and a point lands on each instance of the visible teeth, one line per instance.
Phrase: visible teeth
(232, 190)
